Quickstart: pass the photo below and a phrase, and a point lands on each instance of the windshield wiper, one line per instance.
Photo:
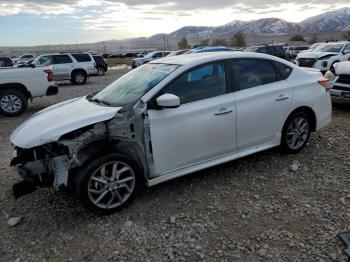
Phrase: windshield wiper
(99, 101)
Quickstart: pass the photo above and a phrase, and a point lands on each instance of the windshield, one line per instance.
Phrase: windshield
(132, 86)
(329, 48)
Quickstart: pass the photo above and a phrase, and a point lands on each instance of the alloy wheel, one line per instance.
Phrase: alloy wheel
(11, 103)
(111, 185)
(298, 133)
(79, 78)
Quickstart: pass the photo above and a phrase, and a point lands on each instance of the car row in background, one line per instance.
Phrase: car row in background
(324, 56)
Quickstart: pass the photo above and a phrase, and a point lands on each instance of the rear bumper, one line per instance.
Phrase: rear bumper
(52, 90)
(340, 93)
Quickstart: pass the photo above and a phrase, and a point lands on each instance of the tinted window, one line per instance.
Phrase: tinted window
(62, 59)
(283, 70)
(251, 72)
(158, 55)
(99, 59)
(82, 57)
(200, 83)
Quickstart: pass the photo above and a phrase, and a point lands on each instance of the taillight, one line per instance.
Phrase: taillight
(326, 84)
(49, 74)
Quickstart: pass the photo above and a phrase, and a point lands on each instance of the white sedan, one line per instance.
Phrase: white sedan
(166, 119)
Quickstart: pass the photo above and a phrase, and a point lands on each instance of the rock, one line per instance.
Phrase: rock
(13, 221)
(294, 167)
(128, 223)
(18, 259)
(342, 200)
(262, 252)
(172, 220)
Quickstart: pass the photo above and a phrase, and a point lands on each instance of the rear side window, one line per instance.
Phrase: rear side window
(98, 59)
(283, 70)
(253, 72)
(199, 83)
(62, 59)
(82, 57)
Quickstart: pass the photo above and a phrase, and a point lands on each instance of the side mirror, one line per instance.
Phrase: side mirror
(168, 101)
(32, 65)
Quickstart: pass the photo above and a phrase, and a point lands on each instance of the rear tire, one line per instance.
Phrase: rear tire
(12, 102)
(108, 184)
(296, 132)
(79, 77)
(101, 71)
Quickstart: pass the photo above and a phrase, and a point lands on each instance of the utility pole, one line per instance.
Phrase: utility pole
(104, 47)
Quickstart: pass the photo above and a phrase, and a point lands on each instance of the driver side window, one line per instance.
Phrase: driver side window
(200, 83)
(347, 49)
(45, 61)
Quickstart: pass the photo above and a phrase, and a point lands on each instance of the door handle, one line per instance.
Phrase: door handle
(223, 111)
(282, 98)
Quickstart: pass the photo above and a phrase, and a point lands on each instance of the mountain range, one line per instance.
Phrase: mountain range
(328, 22)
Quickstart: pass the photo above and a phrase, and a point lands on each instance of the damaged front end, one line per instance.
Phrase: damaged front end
(40, 167)
(54, 164)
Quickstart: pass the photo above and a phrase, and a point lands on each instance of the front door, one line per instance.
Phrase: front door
(201, 128)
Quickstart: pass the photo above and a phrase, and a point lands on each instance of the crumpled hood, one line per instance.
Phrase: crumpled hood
(51, 123)
(314, 54)
(342, 68)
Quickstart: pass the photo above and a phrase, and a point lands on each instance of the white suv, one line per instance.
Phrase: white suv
(75, 67)
(149, 57)
(325, 56)
(166, 119)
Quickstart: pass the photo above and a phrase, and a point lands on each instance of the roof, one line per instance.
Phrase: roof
(199, 58)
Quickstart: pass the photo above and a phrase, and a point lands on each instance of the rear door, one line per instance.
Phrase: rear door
(202, 127)
(85, 61)
(62, 66)
(262, 100)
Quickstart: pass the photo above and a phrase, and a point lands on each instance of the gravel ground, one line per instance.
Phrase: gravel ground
(265, 207)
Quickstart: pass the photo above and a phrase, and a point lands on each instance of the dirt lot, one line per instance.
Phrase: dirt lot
(251, 209)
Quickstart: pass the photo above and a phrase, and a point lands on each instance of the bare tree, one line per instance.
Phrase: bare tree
(346, 35)
(238, 40)
(219, 42)
(204, 42)
(297, 38)
(183, 43)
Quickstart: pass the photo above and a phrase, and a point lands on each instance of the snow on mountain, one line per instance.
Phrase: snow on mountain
(338, 20)
(333, 21)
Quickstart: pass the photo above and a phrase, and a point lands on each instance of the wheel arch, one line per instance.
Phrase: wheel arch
(305, 109)
(17, 86)
(79, 70)
(104, 146)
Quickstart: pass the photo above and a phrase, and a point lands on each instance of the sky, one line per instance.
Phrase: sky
(41, 22)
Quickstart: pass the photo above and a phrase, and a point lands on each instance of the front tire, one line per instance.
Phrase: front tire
(12, 102)
(296, 132)
(108, 184)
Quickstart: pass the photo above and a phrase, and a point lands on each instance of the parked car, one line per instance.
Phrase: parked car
(18, 85)
(293, 51)
(325, 56)
(101, 65)
(178, 52)
(340, 92)
(166, 119)
(207, 49)
(75, 67)
(274, 50)
(23, 58)
(148, 58)
(6, 61)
